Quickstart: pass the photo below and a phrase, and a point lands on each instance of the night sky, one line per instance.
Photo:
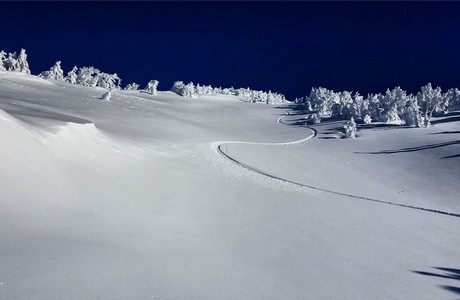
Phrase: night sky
(287, 47)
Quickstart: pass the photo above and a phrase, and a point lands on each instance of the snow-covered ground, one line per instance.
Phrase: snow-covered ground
(156, 197)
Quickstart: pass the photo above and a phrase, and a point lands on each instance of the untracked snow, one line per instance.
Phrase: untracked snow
(160, 196)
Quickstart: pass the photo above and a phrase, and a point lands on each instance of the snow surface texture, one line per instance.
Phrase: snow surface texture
(133, 198)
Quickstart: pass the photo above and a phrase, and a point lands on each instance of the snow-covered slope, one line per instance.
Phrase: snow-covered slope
(132, 199)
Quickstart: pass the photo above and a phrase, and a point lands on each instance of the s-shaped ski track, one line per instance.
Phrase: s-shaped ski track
(217, 147)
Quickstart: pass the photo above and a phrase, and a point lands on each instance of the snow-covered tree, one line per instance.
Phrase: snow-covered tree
(132, 87)
(322, 100)
(2, 58)
(107, 81)
(367, 119)
(106, 96)
(13, 62)
(392, 116)
(411, 115)
(391, 105)
(452, 98)
(350, 128)
(72, 76)
(343, 105)
(87, 76)
(316, 118)
(23, 65)
(10, 63)
(55, 72)
(152, 87)
(184, 90)
(374, 109)
(429, 100)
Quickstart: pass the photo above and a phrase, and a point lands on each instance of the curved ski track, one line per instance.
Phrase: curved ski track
(217, 147)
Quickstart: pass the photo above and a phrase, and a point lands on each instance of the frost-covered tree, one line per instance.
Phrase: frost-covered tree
(72, 76)
(107, 81)
(152, 87)
(106, 96)
(23, 65)
(316, 118)
(392, 105)
(13, 62)
(10, 63)
(184, 90)
(452, 98)
(350, 128)
(392, 116)
(55, 72)
(342, 106)
(373, 106)
(356, 105)
(84, 76)
(132, 87)
(322, 100)
(92, 77)
(2, 58)
(411, 115)
(429, 100)
(367, 119)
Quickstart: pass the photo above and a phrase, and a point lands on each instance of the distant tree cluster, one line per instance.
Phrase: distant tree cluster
(393, 107)
(85, 76)
(92, 77)
(14, 62)
(246, 94)
(132, 87)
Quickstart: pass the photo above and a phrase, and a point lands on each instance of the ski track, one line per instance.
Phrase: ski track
(217, 148)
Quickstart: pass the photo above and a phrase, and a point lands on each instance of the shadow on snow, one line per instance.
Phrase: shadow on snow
(447, 273)
(413, 149)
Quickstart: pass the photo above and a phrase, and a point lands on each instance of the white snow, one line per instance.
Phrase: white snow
(131, 199)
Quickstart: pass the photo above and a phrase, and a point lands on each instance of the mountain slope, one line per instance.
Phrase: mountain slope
(127, 199)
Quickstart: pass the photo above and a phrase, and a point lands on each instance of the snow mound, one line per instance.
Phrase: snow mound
(82, 139)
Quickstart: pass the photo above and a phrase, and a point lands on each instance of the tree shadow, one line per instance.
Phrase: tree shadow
(299, 122)
(381, 126)
(413, 149)
(451, 156)
(452, 113)
(294, 107)
(446, 273)
(445, 132)
(446, 120)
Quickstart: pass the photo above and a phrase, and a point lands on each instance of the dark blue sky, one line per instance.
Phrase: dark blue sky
(283, 46)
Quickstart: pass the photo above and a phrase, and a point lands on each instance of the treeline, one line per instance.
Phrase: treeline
(393, 107)
(93, 77)
(245, 94)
